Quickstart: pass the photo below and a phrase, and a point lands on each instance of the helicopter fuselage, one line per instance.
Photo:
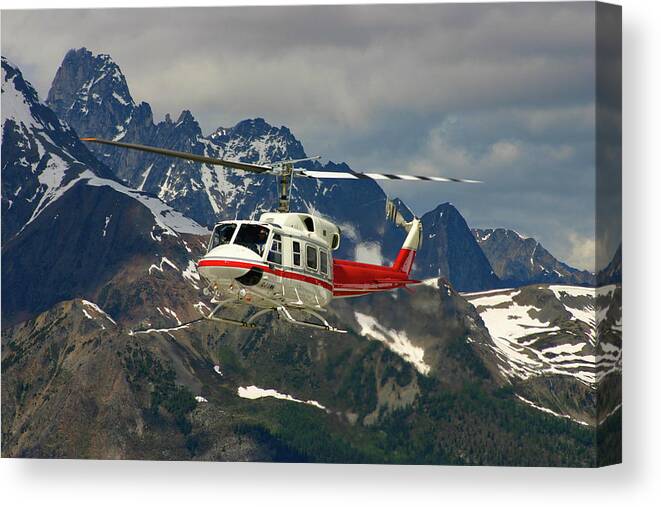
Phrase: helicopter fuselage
(285, 259)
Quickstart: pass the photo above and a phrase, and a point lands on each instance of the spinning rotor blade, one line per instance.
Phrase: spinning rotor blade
(378, 176)
(186, 156)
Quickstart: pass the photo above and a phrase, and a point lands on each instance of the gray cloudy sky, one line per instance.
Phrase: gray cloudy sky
(501, 92)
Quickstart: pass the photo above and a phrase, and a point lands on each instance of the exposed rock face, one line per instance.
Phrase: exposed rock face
(449, 250)
(90, 93)
(523, 261)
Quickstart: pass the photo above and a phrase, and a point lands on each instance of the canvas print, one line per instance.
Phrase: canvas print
(383, 234)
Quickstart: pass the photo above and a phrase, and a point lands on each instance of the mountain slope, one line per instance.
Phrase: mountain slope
(81, 387)
(41, 156)
(557, 345)
(524, 261)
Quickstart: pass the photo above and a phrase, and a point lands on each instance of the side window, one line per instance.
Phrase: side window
(311, 257)
(323, 262)
(275, 254)
(296, 252)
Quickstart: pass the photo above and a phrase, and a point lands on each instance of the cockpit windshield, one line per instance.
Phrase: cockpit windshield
(222, 235)
(253, 236)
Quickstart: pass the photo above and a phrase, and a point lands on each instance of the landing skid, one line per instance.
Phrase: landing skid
(242, 323)
(324, 323)
(282, 311)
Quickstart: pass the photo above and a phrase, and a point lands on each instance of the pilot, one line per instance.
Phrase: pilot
(260, 243)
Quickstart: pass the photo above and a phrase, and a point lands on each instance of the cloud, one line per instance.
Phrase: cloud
(581, 252)
(369, 253)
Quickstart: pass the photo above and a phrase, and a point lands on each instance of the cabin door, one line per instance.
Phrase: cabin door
(274, 261)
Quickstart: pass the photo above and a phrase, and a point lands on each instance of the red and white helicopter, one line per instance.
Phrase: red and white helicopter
(283, 262)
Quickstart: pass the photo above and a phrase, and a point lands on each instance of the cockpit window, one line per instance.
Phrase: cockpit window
(252, 236)
(222, 235)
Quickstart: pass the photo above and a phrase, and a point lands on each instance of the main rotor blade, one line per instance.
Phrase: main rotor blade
(186, 156)
(296, 160)
(378, 176)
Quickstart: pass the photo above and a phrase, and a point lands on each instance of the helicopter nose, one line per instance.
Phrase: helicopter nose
(218, 269)
(227, 263)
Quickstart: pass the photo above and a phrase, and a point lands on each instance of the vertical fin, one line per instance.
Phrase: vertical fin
(413, 241)
(406, 255)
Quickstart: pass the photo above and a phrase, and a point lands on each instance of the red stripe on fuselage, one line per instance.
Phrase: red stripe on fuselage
(278, 272)
(350, 278)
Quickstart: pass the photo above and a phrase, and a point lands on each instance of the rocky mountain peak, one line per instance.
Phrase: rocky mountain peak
(252, 127)
(11, 73)
(519, 260)
(186, 117)
(87, 85)
(450, 251)
(255, 140)
(188, 124)
(445, 209)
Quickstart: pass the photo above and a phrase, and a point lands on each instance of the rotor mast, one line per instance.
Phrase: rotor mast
(286, 172)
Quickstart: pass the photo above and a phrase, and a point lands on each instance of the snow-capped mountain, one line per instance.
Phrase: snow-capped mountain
(90, 93)
(518, 260)
(68, 222)
(450, 251)
(101, 98)
(556, 344)
(43, 158)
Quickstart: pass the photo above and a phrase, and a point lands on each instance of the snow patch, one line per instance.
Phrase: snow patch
(191, 274)
(397, 341)
(528, 347)
(166, 218)
(105, 226)
(98, 310)
(254, 393)
(159, 330)
(160, 265)
(172, 314)
(549, 411)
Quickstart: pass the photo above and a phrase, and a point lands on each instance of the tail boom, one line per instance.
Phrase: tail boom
(357, 278)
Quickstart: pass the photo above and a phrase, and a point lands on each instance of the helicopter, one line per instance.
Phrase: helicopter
(283, 262)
